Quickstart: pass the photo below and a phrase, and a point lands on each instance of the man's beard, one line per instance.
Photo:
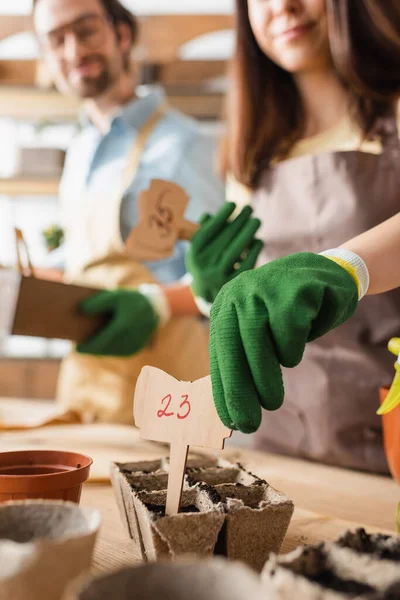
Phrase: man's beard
(91, 87)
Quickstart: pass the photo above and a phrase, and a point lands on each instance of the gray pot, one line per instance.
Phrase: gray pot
(44, 545)
(215, 579)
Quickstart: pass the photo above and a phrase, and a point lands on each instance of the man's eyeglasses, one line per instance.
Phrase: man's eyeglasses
(89, 31)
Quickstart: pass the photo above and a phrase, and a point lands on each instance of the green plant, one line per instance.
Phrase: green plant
(53, 236)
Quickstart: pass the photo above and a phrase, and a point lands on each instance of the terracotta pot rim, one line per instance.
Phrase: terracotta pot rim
(45, 481)
(391, 429)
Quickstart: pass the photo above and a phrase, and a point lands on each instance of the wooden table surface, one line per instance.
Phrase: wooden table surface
(328, 500)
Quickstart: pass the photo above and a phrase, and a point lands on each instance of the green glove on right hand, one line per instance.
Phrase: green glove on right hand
(222, 249)
(262, 320)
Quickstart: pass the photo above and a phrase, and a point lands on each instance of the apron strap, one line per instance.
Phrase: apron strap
(97, 249)
(137, 149)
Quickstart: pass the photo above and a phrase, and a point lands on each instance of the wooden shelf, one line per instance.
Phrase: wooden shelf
(161, 38)
(13, 24)
(199, 106)
(29, 186)
(29, 377)
(28, 103)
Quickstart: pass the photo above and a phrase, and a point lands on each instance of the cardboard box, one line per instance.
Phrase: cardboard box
(40, 162)
(358, 566)
(225, 510)
(48, 309)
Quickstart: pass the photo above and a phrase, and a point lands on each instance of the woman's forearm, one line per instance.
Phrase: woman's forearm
(380, 249)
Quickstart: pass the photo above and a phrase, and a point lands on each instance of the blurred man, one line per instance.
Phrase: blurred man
(125, 141)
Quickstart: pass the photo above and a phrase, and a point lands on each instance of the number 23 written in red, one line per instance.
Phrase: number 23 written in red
(184, 407)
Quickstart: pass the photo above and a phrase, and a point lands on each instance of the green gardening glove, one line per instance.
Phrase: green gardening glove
(220, 250)
(130, 328)
(262, 320)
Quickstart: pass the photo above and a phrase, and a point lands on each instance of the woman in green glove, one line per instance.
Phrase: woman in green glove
(313, 137)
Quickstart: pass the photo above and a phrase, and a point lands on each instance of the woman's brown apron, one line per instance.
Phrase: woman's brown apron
(102, 388)
(313, 203)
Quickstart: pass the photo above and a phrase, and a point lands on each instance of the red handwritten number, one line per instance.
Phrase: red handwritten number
(185, 403)
(168, 399)
(164, 413)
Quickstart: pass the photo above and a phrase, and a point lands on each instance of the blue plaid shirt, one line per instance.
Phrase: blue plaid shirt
(176, 151)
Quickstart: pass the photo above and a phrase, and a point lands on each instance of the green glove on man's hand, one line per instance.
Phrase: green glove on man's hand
(220, 250)
(262, 320)
(132, 323)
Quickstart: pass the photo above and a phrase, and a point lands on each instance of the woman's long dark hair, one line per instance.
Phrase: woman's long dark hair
(264, 109)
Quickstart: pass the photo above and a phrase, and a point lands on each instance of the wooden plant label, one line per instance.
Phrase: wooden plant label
(181, 413)
(161, 222)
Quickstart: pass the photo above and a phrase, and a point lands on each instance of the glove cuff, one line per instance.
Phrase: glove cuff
(203, 306)
(156, 296)
(353, 264)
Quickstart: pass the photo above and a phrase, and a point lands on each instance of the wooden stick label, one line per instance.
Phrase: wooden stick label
(168, 410)
(161, 222)
(181, 413)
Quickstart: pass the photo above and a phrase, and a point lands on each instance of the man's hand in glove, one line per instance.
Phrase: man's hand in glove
(132, 323)
(222, 249)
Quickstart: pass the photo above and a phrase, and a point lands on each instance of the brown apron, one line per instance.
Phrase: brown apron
(102, 388)
(313, 203)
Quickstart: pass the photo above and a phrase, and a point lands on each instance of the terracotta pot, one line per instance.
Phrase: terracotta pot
(391, 434)
(48, 474)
